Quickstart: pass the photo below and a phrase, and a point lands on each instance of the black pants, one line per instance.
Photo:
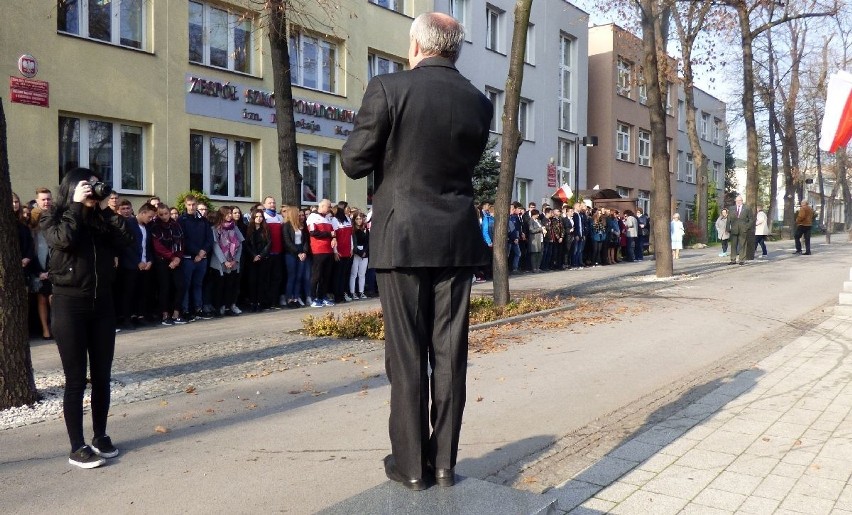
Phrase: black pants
(224, 288)
(321, 275)
(803, 230)
(426, 327)
(760, 239)
(170, 286)
(258, 279)
(342, 269)
(127, 280)
(84, 327)
(276, 279)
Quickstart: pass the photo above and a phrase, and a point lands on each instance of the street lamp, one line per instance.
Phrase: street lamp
(590, 141)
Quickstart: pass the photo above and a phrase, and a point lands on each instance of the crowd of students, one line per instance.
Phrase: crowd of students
(206, 263)
(566, 237)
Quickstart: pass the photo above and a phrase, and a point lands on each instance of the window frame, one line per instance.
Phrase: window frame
(393, 5)
(624, 73)
(643, 201)
(529, 49)
(319, 189)
(496, 97)
(689, 169)
(644, 151)
(206, 172)
(680, 165)
(521, 190)
(493, 29)
(297, 78)
(115, 25)
(718, 175)
(565, 158)
(717, 131)
(681, 115)
(114, 178)
(460, 10)
(235, 20)
(372, 63)
(527, 116)
(566, 67)
(623, 191)
(705, 126)
(622, 137)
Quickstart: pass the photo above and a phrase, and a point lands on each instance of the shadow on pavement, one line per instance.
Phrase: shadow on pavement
(661, 429)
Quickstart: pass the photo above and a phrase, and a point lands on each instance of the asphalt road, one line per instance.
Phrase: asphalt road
(301, 434)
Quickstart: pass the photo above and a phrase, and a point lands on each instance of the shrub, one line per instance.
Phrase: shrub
(370, 325)
(202, 199)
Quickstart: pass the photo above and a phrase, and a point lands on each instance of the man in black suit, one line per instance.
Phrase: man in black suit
(422, 132)
(740, 222)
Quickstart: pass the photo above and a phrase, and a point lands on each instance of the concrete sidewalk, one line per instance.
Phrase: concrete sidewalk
(776, 439)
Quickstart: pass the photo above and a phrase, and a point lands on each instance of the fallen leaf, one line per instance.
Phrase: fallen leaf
(251, 406)
(210, 410)
(161, 429)
(164, 403)
(797, 442)
(295, 392)
(190, 389)
(479, 399)
(765, 438)
(530, 479)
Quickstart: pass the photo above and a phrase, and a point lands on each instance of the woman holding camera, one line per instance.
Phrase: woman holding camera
(84, 236)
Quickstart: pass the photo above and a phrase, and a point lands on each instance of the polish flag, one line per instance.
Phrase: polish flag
(837, 122)
(564, 193)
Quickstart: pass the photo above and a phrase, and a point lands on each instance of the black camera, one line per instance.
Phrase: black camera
(100, 190)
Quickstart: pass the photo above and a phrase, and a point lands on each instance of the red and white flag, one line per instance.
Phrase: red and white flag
(837, 122)
(564, 193)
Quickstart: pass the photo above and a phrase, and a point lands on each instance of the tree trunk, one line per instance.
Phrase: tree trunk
(291, 179)
(654, 33)
(509, 146)
(17, 385)
(746, 38)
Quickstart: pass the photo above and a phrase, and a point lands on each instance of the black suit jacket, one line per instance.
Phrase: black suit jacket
(422, 132)
(741, 224)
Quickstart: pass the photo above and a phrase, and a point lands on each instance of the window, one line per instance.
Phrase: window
(496, 98)
(690, 169)
(525, 119)
(669, 98)
(644, 201)
(529, 50)
(705, 126)
(115, 150)
(644, 138)
(393, 5)
(493, 20)
(319, 174)
(120, 22)
(313, 62)
(378, 65)
(566, 69)
(220, 38)
(220, 166)
(522, 188)
(690, 212)
(681, 115)
(622, 144)
(642, 87)
(622, 191)
(460, 10)
(680, 165)
(718, 177)
(717, 131)
(565, 160)
(623, 77)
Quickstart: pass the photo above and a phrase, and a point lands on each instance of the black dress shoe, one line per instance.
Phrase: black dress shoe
(394, 475)
(445, 477)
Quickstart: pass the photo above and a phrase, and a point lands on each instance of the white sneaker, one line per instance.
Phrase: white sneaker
(235, 310)
(282, 300)
(301, 302)
(347, 298)
(362, 296)
(309, 300)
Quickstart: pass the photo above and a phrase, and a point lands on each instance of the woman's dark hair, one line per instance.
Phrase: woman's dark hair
(69, 183)
(340, 213)
(251, 225)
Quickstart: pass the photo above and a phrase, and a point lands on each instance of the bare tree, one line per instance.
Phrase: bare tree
(17, 386)
(654, 16)
(509, 146)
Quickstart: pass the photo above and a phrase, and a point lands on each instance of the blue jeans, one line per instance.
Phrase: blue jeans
(193, 275)
(577, 255)
(514, 255)
(298, 277)
(546, 255)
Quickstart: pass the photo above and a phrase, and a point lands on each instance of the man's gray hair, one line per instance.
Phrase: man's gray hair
(438, 34)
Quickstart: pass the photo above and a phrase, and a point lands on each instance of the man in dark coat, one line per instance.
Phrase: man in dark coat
(421, 132)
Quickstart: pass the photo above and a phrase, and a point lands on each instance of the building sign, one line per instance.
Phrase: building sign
(28, 66)
(239, 103)
(552, 180)
(29, 91)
